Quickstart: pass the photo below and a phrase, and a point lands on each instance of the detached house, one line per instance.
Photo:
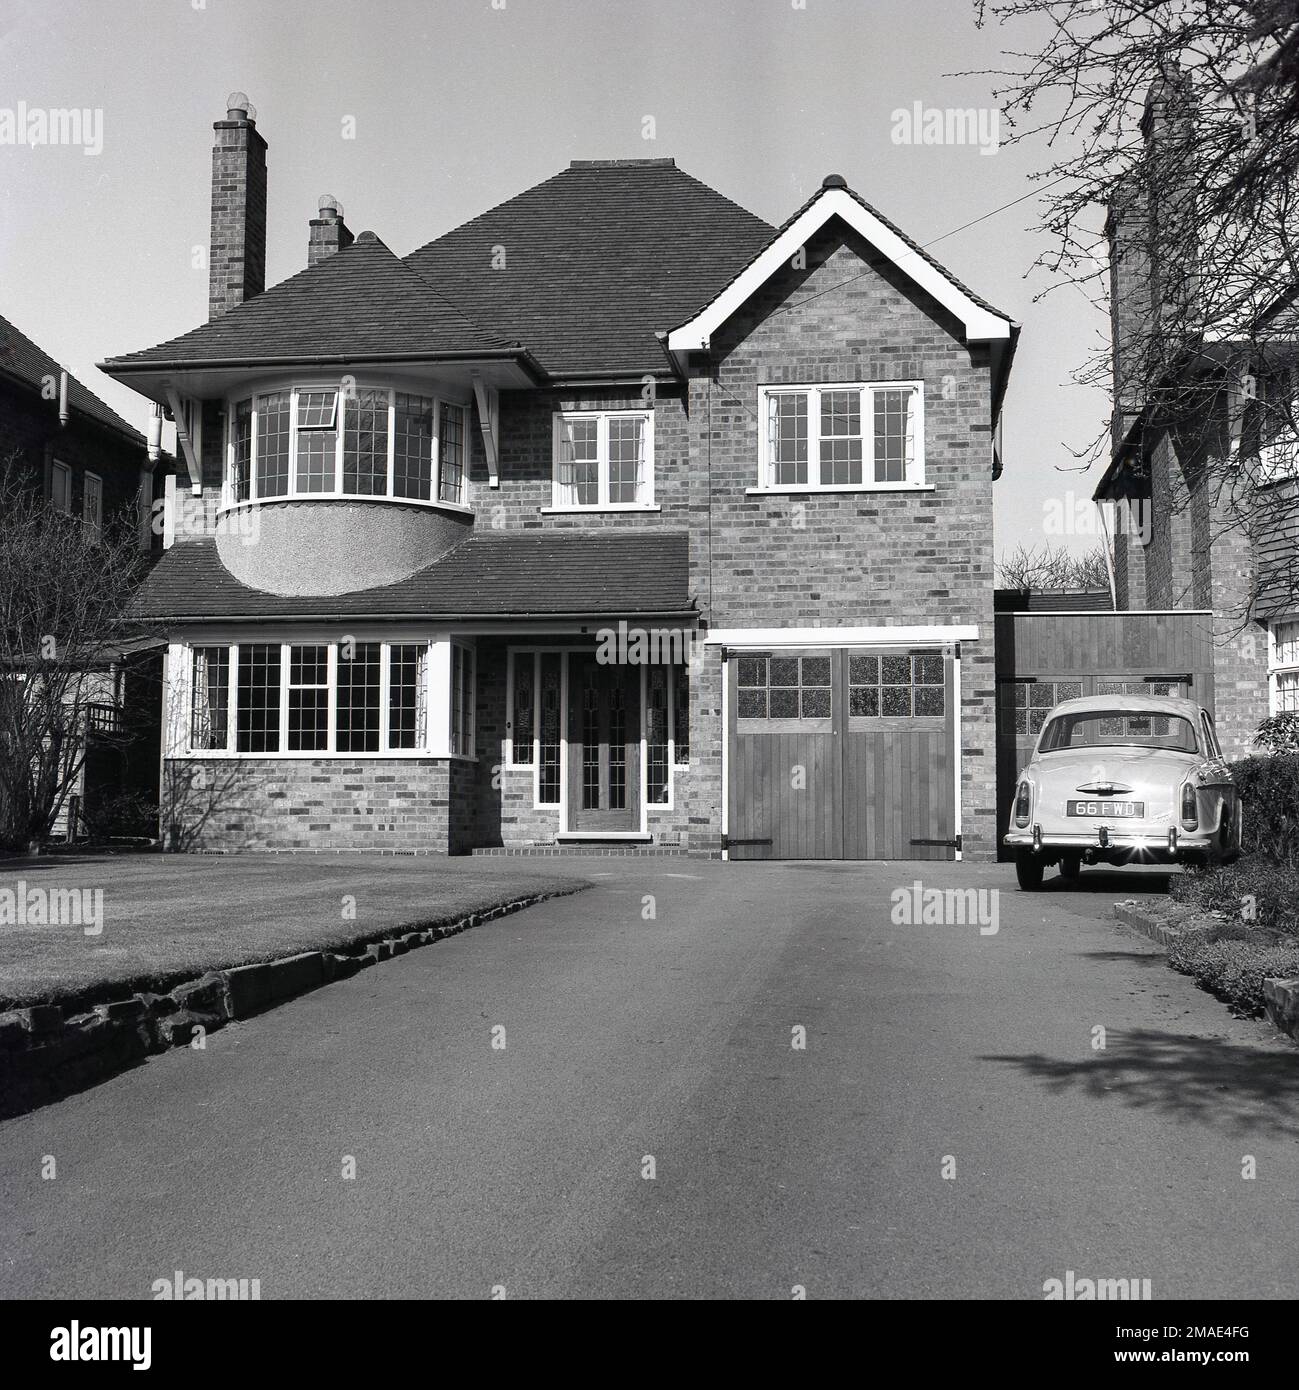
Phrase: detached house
(64, 445)
(1205, 453)
(613, 516)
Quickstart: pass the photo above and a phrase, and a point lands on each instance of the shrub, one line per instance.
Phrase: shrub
(1269, 791)
(1269, 891)
(127, 814)
(1279, 734)
(1234, 970)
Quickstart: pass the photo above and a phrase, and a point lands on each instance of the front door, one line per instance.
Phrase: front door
(603, 745)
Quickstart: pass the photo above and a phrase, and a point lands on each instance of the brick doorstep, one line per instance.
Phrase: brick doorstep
(1282, 996)
(46, 1055)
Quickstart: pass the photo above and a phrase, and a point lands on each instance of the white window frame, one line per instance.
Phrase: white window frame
(59, 469)
(436, 703)
(92, 486)
(342, 399)
(1276, 664)
(915, 480)
(560, 499)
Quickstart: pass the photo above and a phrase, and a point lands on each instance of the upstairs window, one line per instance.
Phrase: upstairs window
(319, 441)
(842, 436)
(92, 505)
(61, 487)
(1278, 425)
(604, 459)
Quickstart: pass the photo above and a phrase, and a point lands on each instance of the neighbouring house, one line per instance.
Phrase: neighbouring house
(72, 449)
(615, 516)
(1204, 469)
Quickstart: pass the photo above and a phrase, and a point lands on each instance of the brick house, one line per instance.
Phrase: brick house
(614, 516)
(1206, 486)
(70, 448)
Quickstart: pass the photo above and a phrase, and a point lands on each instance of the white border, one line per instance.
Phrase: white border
(980, 325)
(934, 635)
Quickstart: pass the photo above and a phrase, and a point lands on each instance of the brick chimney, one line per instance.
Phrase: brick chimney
(328, 231)
(1153, 243)
(238, 254)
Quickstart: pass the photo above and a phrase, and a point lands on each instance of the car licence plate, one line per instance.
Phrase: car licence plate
(1119, 810)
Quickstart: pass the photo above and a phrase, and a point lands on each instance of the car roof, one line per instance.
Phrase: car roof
(1130, 704)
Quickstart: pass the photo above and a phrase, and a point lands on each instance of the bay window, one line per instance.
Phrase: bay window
(367, 441)
(604, 459)
(841, 436)
(330, 698)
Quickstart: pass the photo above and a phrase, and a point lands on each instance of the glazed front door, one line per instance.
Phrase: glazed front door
(603, 745)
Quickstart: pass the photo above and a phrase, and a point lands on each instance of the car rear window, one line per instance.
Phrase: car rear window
(1094, 727)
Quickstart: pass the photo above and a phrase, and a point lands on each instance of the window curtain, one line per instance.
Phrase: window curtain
(201, 723)
(773, 440)
(421, 698)
(641, 494)
(567, 465)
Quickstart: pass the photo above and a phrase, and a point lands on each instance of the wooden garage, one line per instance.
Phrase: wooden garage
(842, 752)
(1051, 654)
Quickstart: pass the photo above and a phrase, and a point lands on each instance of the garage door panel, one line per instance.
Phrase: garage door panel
(876, 774)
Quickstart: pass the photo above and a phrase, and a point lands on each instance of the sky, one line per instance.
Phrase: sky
(419, 114)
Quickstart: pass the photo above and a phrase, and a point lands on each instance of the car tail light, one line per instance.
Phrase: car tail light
(1023, 803)
(1190, 807)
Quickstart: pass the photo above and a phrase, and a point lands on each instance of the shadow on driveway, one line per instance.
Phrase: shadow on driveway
(1112, 883)
(1236, 1088)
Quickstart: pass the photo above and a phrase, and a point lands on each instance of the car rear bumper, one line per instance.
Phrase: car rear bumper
(1152, 845)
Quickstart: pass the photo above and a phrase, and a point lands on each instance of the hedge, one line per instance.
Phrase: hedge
(1269, 791)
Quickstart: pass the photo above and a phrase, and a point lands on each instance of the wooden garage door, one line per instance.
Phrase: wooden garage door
(838, 754)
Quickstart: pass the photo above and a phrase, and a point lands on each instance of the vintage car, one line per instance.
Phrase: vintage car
(1117, 779)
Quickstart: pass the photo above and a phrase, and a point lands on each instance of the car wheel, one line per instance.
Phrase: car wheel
(1028, 870)
(1071, 867)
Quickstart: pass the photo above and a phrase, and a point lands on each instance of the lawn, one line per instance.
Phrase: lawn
(168, 918)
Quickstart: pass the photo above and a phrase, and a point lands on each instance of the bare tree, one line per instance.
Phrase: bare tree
(1181, 119)
(1048, 568)
(64, 592)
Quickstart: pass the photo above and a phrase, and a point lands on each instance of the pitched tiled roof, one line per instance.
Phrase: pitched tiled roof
(21, 359)
(362, 302)
(609, 572)
(597, 259)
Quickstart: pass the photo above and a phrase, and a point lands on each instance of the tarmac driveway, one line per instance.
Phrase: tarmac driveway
(646, 1126)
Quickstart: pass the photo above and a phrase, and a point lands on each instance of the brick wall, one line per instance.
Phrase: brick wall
(403, 804)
